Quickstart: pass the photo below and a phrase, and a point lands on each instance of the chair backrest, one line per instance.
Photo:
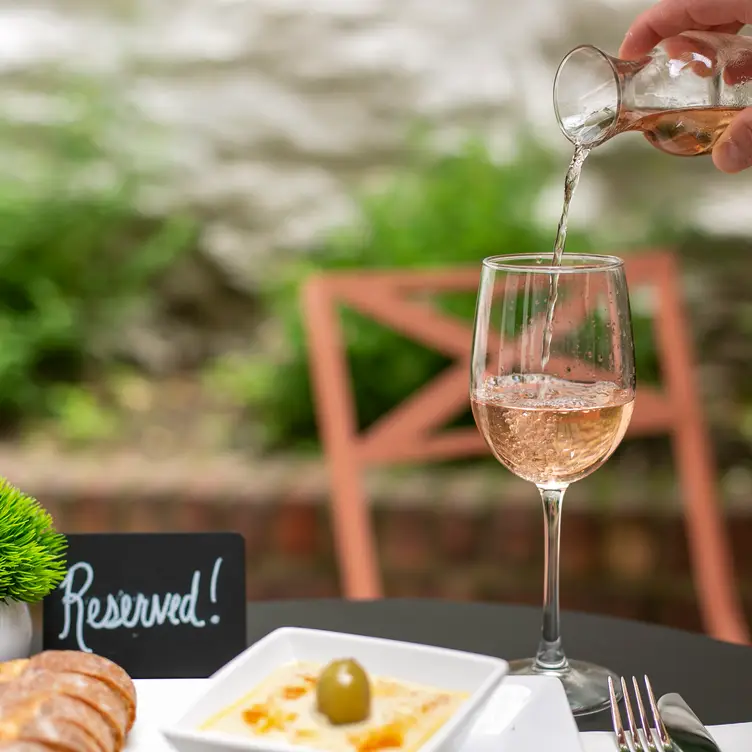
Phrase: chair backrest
(412, 430)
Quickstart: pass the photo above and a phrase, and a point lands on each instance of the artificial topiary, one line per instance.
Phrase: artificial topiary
(32, 559)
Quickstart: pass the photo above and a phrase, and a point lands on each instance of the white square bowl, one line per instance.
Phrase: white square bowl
(478, 675)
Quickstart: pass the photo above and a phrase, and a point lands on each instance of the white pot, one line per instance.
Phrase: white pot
(15, 630)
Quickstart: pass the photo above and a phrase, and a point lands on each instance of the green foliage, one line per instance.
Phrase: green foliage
(32, 553)
(80, 417)
(239, 378)
(75, 251)
(443, 210)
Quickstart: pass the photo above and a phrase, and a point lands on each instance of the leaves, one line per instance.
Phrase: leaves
(76, 253)
(441, 210)
(32, 553)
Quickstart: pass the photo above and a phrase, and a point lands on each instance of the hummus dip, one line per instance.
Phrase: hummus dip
(283, 709)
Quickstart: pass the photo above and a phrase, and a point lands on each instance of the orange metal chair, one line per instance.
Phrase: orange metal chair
(412, 430)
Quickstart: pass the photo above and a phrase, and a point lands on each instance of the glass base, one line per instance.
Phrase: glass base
(585, 684)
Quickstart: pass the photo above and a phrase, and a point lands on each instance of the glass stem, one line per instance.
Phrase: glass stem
(550, 656)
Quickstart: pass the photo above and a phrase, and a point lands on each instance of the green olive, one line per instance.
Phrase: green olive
(343, 692)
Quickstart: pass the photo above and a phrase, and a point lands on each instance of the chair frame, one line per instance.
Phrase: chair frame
(412, 430)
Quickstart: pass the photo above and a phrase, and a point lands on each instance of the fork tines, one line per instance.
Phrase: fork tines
(645, 738)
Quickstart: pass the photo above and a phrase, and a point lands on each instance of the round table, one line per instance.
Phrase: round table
(715, 678)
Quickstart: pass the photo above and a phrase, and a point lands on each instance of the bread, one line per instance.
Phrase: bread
(89, 664)
(94, 693)
(65, 701)
(60, 722)
(11, 669)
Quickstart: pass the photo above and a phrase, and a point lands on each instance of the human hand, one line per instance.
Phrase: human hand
(667, 18)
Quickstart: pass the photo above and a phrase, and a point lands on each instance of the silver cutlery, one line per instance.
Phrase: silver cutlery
(646, 738)
(685, 729)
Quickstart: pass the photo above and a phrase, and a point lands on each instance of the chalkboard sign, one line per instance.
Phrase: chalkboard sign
(161, 605)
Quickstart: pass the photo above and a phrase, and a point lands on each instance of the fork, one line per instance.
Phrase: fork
(644, 739)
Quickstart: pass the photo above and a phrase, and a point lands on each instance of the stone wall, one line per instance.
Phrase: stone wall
(275, 109)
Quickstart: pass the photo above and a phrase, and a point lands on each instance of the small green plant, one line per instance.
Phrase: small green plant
(32, 553)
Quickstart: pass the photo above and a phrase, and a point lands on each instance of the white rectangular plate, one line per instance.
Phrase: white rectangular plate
(525, 714)
(477, 675)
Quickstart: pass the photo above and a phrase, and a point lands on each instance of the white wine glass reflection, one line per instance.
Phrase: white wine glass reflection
(554, 411)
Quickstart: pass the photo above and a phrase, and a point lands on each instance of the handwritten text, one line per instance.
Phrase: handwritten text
(124, 611)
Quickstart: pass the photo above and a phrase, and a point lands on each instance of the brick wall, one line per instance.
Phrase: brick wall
(629, 564)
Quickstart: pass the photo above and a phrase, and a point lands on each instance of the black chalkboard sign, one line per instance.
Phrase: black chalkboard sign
(162, 605)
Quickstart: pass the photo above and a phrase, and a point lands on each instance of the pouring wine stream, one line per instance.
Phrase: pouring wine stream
(687, 131)
(570, 186)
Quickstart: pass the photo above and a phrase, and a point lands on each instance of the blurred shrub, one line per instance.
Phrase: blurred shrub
(75, 251)
(444, 210)
(82, 417)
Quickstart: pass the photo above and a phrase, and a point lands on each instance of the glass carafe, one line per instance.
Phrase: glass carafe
(682, 95)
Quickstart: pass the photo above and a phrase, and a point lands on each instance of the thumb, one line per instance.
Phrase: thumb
(733, 151)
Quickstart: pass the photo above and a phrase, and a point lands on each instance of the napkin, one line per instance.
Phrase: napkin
(736, 737)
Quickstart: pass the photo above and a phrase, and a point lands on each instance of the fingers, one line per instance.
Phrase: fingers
(739, 70)
(701, 57)
(733, 152)
(670, 17)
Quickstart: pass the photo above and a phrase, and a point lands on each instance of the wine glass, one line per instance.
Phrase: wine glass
(554, 414)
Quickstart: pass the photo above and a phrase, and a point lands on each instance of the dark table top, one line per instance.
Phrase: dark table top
(715, 678)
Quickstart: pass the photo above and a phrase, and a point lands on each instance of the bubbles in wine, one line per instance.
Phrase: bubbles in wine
(548, 430)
